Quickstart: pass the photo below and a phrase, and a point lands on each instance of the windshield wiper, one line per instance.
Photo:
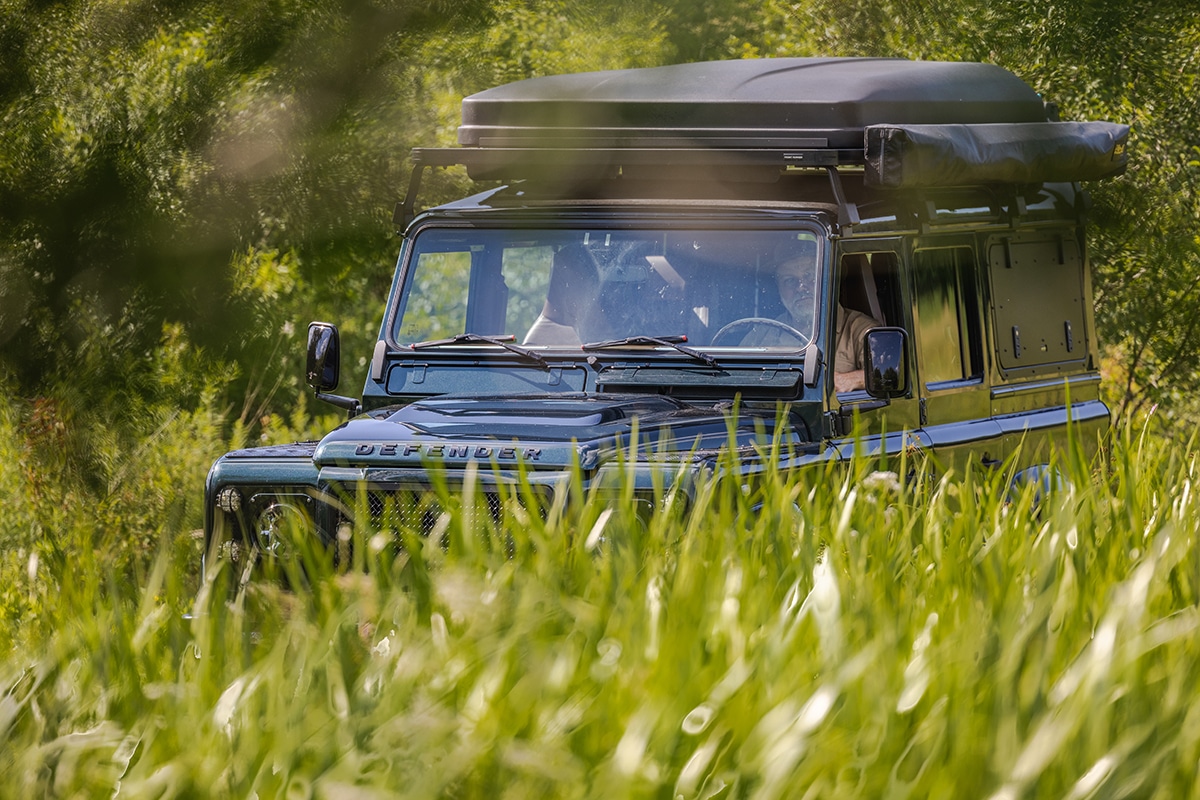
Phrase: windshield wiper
(500, 341)
(673, 341)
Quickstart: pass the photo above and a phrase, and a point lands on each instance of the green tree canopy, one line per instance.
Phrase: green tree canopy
(146, 148)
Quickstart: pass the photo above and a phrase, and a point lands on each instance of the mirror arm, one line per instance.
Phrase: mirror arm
(352, 406)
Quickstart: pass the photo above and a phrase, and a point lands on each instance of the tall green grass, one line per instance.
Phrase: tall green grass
(840, 633)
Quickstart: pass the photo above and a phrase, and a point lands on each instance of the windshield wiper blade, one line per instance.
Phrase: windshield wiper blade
(500, 341)
(674, 342)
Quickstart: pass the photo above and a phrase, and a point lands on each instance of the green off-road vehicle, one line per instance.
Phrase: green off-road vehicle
(676, 261)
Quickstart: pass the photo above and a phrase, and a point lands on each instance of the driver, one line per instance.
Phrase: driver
(572, 290)
(794, 277)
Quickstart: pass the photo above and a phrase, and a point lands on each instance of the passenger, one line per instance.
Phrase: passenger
(572, 289)
(795, 277)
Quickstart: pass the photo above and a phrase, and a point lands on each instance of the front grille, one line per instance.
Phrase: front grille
(392, 509)
(410, 510)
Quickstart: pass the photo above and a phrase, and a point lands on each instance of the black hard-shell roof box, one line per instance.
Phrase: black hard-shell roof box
(811, 102)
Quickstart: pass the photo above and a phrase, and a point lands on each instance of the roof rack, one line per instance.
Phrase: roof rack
(500, 163)
(909, 124)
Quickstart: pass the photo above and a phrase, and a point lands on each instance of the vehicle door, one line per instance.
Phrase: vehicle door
(955, 404)
(869, 281)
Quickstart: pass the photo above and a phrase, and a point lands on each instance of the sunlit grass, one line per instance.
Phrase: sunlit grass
(842, 633)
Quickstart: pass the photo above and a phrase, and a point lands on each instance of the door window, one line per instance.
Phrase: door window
(947, 322)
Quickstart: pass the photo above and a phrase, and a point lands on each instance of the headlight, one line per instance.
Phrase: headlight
(277, 526)
(269, 521)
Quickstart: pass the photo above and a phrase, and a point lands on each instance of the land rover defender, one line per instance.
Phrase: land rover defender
(675, 261)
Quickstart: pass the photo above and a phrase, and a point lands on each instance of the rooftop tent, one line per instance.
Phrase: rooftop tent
(781, 102)
(909, 123)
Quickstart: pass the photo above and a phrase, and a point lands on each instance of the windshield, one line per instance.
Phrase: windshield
(747, 290)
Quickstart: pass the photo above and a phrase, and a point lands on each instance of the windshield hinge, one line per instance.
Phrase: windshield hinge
(812, 357)
(377, 360)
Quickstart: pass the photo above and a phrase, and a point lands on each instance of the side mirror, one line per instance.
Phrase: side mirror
(324, 357)
(885, 356)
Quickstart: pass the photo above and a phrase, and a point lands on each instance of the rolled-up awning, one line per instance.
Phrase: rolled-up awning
(919, 156)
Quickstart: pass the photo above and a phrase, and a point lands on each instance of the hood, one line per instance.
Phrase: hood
(545, 431)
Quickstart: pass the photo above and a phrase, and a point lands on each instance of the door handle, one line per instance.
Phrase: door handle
(863, 406)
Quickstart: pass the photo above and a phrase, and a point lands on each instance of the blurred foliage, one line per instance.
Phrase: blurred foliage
(223, 168)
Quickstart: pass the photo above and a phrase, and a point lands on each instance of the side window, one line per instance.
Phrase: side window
(869, 284)
(947, 320)
(868, 297)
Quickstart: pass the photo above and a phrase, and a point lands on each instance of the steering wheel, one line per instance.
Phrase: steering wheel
(752, 322)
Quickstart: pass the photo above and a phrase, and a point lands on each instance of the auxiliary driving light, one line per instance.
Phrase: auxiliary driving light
(229, 500)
